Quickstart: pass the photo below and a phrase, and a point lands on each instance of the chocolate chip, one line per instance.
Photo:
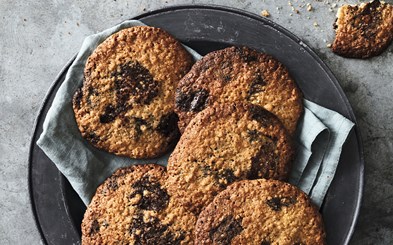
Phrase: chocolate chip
(228, 228)
(153, 232)
(78, 98)
(94, 228)
(276, 203)
(264, 163)
(193, 101)
(265, 242)
(168, 124)
(153, 197)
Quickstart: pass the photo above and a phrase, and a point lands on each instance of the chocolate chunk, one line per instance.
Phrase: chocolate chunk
(134, 79)
(78, 98)
(109, 115)
(153, 232)
(91, 92)
(228, 176)
(368, 20)
(256, 85)
(265, 242)
(94, 228)
(138, 123)
(168, 124)
(194, 101)
(253, 135)
(153, 197)
(276, 203)
(246, 54)
(226, 78)
(112, 184)
(228, 228)
(92, 137)
(261, 115)
(264, 163)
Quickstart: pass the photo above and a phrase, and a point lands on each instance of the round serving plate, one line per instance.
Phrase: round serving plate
(58, 209)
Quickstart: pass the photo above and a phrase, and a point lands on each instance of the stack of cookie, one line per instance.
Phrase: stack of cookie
(236, 110)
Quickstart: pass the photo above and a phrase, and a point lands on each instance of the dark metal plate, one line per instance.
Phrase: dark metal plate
(59, 211)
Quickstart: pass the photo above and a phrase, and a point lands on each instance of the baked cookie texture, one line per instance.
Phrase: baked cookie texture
(223, 144)
(239, 74)
(260, 212)
(133, 207)
(363, 31)
(125, 105)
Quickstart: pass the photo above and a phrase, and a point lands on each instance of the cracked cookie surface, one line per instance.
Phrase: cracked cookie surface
(239, 74)
(125, 105)
(363, 31)
(260, 212)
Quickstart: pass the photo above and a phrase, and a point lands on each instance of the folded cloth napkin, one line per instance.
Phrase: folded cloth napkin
(320, 136)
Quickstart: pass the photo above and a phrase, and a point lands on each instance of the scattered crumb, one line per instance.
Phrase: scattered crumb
(69, 33)
(290, 14)
(334, 5)
(144, 9)
(24, 19)
(315, 24)
(265, 13)
(289, 3)
(77, 23)
(309, 7)
(329, 45)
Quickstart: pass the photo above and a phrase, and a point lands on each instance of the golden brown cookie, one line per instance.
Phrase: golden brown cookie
(133, 207)
(260, 212)
(239, 74)
(125, 105)
(223, 144)
(363, 31)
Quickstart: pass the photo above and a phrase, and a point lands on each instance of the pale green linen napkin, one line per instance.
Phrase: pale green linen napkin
(320, 136)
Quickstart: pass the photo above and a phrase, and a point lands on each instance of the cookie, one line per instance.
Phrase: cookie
(133, 207)
(223, 144)
(125, 105)
(363, 31)
(239, 74)
(260, 212)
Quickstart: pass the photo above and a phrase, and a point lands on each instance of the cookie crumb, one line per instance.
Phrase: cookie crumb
(329, 45)
(309, 7)
(315, 24)
(265, 13)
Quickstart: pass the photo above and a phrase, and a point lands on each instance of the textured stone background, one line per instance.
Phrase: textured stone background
(38, 37)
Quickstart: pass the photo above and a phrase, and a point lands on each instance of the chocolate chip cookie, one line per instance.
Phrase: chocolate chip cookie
(260, 212)
(223, 144)
(125, 105)
(133, 207)
(239, 74)
(363, 31)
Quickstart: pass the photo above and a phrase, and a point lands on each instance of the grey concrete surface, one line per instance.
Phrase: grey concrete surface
(38, 37)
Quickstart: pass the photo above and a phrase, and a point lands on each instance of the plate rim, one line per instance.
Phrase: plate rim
(280, 28)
